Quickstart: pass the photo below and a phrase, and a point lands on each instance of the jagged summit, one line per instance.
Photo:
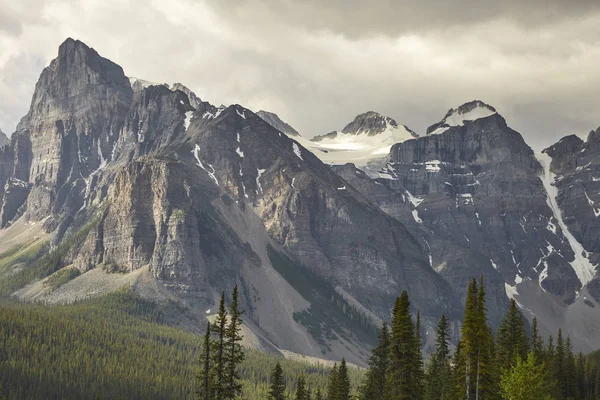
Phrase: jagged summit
(470, 111)
(276, 122)
(3, 139)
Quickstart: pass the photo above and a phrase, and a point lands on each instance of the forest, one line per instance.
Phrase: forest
(121, 347)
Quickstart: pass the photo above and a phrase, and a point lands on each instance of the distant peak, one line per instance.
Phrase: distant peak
(371, 123)
(277, 123)
(470, 111)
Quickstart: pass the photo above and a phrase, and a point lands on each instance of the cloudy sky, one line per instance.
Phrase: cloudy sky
(317, 63)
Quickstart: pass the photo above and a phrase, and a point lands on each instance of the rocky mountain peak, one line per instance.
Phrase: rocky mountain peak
(371, 123)
(470, 111)
(3, 139)
(276, 122)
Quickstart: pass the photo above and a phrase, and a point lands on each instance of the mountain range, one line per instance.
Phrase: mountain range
(130, 183)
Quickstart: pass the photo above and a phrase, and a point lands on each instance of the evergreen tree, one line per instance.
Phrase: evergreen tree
(571, 372)
(475, 373)
(301, 393)
(419, 376)
(525, 381)
(512, 337)
(308, 393)
(374, 384)
(438, 379)
(219, 329)
(333, 384)
(402, 378)
(277, 386)
(205, 378)
(343, 382)
(234, 354)
(537, 343)
(560, 365)
(318, 394)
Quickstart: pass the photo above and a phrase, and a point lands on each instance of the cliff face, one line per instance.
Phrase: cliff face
(204, 198)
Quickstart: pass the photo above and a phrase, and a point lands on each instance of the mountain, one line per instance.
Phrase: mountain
(479, 200)
(150, 187)
(276, 122)
(3, 139)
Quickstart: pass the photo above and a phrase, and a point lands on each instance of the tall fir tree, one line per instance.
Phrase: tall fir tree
(234, 354)
(402, 378)
(512, 339)
(343, 382)
(205, 376)
(333, 383)
(560, 365)
(373, 387)
(219, 329)
(571, 372)
(526, 380)
(419, 375)
(277, 385)
(438, 379)
(301, 393)
(318, 394)
(465, 366)
(537, 343)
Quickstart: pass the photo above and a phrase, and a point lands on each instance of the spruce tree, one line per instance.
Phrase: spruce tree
(571, 372)
(205, 376)
(402, 375)
(525, 381)
(343, 382)
(374, 384)
(219, 328)
(465, 366)
(277, 385)
(560, 365)
(234, 354)
(301, 393)
(438, 379)
(419, 375)
(537, 343)
(333, 383)
(318, 394)
(512, 337)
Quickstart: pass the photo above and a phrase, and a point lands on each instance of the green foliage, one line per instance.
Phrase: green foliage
(373, 387)
(117, 347)
(526, 380)
(438, 379)
(61, 277)
(513, 343)
(277, 385)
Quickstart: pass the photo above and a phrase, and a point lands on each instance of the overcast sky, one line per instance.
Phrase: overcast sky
(318, 63)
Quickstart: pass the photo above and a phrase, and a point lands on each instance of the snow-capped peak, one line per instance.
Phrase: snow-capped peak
(367, 138)
(471, 111)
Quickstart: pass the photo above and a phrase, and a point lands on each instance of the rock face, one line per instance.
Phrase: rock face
(276, 122)
(479, 200)
(137, 177)
(204, 197)
(3, 139)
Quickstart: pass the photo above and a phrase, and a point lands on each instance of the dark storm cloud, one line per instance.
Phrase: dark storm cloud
(318, 64)
(359, 18)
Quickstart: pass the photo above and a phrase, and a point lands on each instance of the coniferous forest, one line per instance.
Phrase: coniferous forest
(119, 347)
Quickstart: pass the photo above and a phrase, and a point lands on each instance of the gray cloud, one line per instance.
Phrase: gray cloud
(317, 64)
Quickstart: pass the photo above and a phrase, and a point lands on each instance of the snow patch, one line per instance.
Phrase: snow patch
(196, 153)
(259, 173)
(582, 266)
(433, 166)
(297, 150)
(241, 114)
(494, 264)
(188, 119)
(592, 204)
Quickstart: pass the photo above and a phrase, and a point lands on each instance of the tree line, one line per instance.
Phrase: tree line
(514, 363)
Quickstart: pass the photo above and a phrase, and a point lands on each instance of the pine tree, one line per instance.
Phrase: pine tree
(525, 381)
(333, 383)
(374, 384)
(234, 354)
(277, 386)
(512, 337)
(318, 394)
(301, 393)
(219, 328)
(419, 375)
(343, 389)
(438, 379)
(571, 372)
(537, 343)
(560, 365)
(205, 378)
(465, 370)
(487, 379)
(402, 374)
